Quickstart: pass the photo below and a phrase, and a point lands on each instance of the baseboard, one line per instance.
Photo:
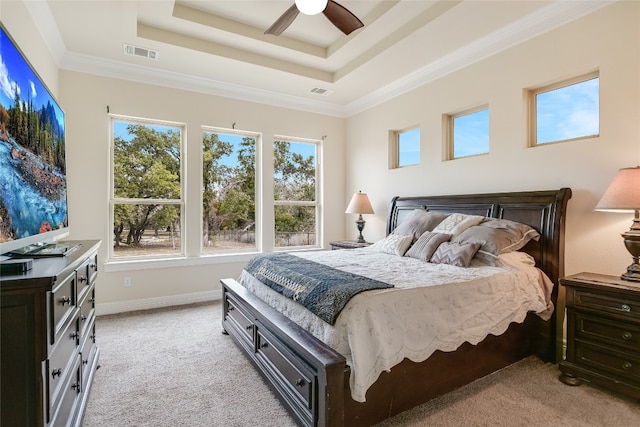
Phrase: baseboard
(158, 302)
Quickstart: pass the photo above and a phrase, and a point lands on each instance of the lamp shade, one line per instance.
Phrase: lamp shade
(311, 7)
(623, 193)
(360, 204)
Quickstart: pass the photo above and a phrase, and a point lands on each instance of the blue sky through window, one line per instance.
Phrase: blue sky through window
(568, 112)
(471, 134)
(409, 147)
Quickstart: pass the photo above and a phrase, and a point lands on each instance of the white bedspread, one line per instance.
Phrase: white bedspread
(378, 329)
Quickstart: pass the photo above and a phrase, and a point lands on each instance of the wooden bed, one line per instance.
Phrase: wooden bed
(312, 380)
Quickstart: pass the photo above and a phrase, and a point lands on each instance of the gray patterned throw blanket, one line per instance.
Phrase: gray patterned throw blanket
(323, 290)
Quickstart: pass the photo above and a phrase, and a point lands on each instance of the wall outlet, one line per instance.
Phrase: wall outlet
(127, 281)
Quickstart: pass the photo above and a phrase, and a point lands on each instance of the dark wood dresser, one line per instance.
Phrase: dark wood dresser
(348, 244)
(49, 353)
(603, 333)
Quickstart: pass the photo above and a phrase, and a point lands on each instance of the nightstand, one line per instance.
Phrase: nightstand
(603, 333)
(348, 244)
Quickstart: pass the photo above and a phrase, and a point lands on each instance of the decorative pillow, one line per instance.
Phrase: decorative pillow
(393, 244)
(456, 223)
(455, 253)
(419, 221)
(426, 245)
(497, 236)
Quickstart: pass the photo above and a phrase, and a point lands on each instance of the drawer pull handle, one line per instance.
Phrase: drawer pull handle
(83, 279)
(56, 372)
(76, 387)
(65, 300)
(627, 365)
(93, 266)
(300, 382)
(264, 345)
(85, 361)
(626, 335)
(249, 327)
(74, 335)
(231, 308)
(625, 307)
(83, 318)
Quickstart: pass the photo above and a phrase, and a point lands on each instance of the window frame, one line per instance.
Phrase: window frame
(113, 200)
(318, 143)
(532, 95)
(257, 136)
(449, 131)
(394, 147)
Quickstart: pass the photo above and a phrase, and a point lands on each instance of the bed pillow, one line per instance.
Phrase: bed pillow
(459, 254)
(456, 223)
(393, 244)
(497, 236)
(426, 245)
(419, 221)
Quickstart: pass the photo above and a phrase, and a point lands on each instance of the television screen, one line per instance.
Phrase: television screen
(33, 182)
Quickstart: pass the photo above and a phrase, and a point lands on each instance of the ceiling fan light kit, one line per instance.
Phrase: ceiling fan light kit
(339, 16)
(311, 7)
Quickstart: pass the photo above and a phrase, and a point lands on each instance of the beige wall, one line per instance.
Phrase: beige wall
(608, 40)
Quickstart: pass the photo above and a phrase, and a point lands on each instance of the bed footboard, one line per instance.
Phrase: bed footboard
(306, 374)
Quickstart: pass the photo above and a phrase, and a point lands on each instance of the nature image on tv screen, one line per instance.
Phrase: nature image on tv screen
(33, 184)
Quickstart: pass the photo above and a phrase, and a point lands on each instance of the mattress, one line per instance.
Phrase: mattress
(430, 307)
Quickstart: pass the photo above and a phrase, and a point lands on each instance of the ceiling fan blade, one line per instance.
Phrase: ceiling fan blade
(283, 22)
(341, 17)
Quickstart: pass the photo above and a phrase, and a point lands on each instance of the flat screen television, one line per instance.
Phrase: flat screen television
(33, 177)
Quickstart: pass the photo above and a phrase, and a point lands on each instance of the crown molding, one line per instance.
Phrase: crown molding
(546, 19)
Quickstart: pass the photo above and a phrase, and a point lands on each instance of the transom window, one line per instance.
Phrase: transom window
(295, 188)
(565, 111)
(468, 133)
(147, 193)
(404, 148)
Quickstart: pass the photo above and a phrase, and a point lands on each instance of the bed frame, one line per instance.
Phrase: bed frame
(312, 380)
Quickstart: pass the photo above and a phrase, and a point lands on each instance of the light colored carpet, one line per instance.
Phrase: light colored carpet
(173, 367)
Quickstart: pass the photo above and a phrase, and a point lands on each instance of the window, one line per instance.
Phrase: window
(147, 195)
(468, 133)
(565, 111)
(405, 148)
(228, 191)
(296, 204)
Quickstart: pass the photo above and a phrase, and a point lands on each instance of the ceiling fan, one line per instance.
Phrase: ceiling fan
(339, 16)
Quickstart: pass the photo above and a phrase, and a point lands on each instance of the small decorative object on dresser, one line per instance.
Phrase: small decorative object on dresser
(49, 352)
(348, 244)
(603, 333)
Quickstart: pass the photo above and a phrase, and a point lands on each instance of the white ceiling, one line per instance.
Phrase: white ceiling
(219, 47)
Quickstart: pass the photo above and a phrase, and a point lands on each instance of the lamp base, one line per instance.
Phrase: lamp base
(632, 243)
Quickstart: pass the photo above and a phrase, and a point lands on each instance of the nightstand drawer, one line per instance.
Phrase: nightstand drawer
(609, 303)
(611, 332)
(602, 358)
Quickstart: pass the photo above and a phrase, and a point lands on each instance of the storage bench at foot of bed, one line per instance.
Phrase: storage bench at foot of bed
(303, 372)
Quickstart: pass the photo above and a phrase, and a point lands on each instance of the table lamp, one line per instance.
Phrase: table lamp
(360, 205)
(623, 195)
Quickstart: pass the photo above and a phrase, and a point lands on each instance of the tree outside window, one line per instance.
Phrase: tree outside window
(147, 188)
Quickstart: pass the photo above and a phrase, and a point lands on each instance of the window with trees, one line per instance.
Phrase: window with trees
(147, 196)
(565, 110)
(296, 201)
(468, 133)
(228, 191)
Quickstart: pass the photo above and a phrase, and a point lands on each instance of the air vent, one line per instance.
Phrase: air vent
(130, 49)
(321, 91)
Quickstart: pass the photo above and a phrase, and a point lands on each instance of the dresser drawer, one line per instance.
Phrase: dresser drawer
(63, 413)
(86, 275)
(240, 319)
(87, 310)
(60, 363)
(62, 304)
(604, 358)
(623, 334)
(609, 303)
(88, 351)
(293, 374)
